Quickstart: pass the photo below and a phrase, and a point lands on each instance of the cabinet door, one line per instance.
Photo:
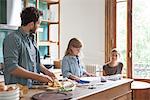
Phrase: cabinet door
(125, 97)
(30, 3)
(54, 12)
(43, 32)
(43, 50)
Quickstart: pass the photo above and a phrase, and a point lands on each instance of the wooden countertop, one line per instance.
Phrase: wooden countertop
(140, 85)
(108, 88)
(84, 91)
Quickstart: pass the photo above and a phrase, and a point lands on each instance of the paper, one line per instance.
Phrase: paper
(91, 79)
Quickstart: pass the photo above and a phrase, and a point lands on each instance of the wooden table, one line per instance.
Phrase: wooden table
(141, 90)
(110, 90)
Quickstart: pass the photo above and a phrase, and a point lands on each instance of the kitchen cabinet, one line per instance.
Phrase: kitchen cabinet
(3, 11)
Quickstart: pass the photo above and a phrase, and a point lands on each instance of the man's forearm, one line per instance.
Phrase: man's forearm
(47, 72)
(20, 72)
(43, 69)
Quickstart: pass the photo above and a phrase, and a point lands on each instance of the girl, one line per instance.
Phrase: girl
(113, 67)
(71, 65)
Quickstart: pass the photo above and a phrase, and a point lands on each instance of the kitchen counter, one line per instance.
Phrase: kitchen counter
(110, 90)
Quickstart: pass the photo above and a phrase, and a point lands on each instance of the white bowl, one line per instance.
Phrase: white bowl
(14, 97)
(11, 94)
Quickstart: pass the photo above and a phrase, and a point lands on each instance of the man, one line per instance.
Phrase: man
(21, 57)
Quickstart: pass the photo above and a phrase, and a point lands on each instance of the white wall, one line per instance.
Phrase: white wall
(84, 19)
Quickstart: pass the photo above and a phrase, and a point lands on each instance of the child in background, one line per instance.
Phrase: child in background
(114, 66)
(71, 64)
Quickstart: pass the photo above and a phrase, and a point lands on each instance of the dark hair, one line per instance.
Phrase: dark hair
(74, 42)
(30, 14)
(115, 50)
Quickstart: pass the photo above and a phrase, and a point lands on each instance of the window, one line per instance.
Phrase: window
(132, 35)
(141, 37)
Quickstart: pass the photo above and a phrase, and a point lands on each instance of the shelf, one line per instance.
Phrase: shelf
(48, 37)
(53, 41)
(51, 1)
(45, 43)
(7, 27)
(48, 21)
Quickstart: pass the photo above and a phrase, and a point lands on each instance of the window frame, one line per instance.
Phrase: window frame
(110, 33)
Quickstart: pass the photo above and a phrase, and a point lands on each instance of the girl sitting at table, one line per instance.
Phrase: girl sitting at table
(71, 63)
(114, 66)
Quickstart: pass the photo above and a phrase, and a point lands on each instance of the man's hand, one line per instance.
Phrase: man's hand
(45, 78)
(52, 75)
(47, 72)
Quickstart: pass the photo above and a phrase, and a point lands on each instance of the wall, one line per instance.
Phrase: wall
(84, 19)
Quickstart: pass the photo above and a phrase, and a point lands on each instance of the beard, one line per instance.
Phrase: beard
(33, 30)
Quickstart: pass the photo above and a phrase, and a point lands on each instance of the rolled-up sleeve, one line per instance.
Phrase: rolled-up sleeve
(65, 68)
(10, 53)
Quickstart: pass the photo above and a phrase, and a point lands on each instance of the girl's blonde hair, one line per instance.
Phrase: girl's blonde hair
(74, 42)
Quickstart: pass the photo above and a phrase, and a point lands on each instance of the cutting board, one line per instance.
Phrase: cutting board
(51, 95)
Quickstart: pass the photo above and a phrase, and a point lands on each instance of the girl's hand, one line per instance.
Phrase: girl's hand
(91, 75)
